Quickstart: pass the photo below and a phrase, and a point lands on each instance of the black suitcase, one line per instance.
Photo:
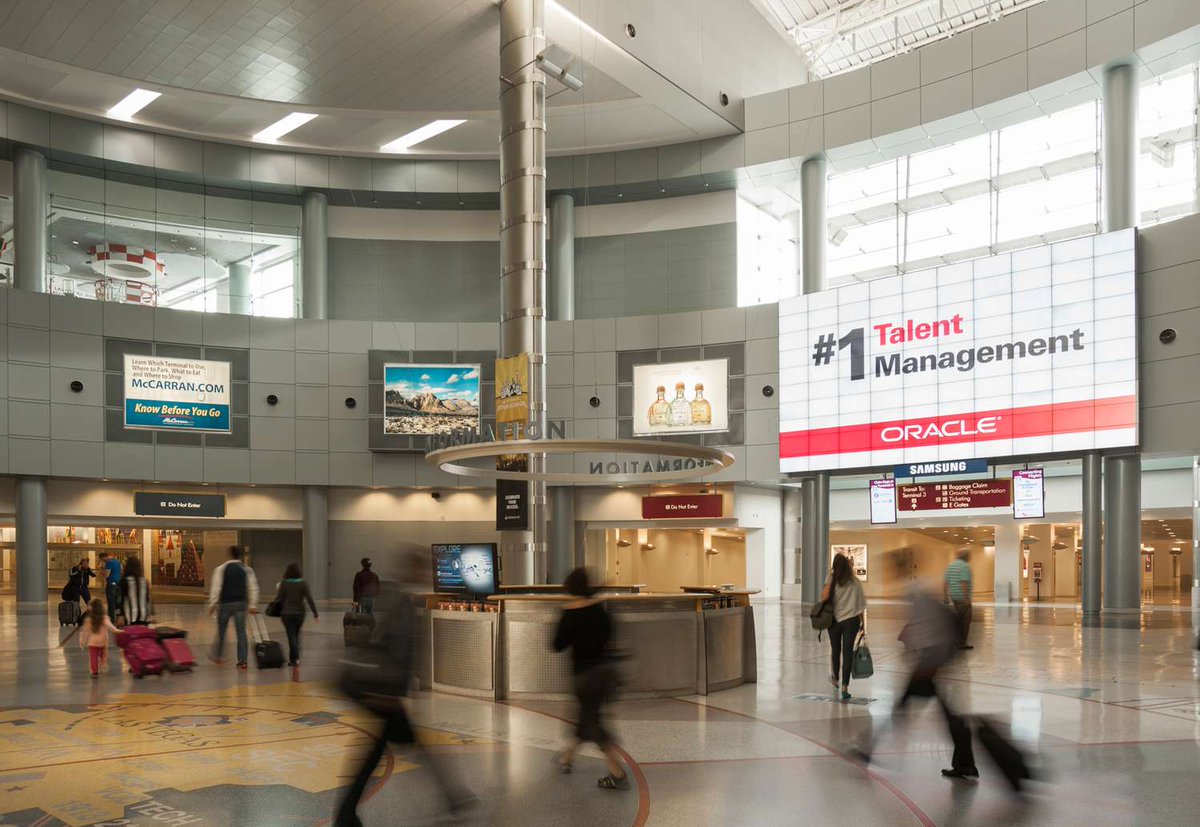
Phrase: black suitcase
(1008, 759)
(169, 632)
(68, 613)
(268, 654)
(357, 628)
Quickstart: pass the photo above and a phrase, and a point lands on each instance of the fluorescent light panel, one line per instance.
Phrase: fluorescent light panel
(429, 130)
(133, 103)
(283, 126)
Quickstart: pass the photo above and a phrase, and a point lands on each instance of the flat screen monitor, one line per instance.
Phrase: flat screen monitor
(466, 568)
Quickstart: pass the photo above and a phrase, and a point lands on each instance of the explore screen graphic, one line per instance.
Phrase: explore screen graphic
(1028, 352)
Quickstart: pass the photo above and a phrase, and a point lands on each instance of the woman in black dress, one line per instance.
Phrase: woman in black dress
(586, 629)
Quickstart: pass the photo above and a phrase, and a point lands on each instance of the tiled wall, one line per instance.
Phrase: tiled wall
(666, 271)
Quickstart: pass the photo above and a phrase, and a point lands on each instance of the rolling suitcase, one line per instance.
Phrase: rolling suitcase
(268, 654)
(357, 628)
(142, 651)
(1009, 760)
(174, 644)
(68, 613)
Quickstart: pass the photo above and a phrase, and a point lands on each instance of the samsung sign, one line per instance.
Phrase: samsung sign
(937, 469)
(169, 394)
(1028, 352)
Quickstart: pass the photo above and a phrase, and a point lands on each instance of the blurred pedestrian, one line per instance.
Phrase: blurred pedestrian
(366, 588)
(94, 636)
(849, 604)
(82, 574)
(110, 569)
(378, 678)
(956, 589)
(234, 592)
(291, 596)
(586, 629)
(135, 594)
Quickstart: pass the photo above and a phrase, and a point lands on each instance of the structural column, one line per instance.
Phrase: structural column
(31, 541)
(815, 497)
(315, 551)
(314, 256)
(1196, 541)
(1006, 560)
(1092, 563)
(239, 288)
(792, 542)
(561, 556)
(523, 248)
(560, 258)
(1122, 474)
(29, 220)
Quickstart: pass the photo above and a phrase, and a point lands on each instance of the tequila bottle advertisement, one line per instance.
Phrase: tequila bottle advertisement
(681, 398)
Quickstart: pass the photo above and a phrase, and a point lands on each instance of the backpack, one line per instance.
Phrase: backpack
(821, 615)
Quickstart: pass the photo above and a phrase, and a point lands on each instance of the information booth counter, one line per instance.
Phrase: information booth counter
(693, 643)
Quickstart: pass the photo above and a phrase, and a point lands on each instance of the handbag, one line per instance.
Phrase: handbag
(863, 666)
(821, 615)
(274, 608)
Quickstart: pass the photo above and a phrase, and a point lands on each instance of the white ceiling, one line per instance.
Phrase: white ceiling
(375, 69)
(837, 35)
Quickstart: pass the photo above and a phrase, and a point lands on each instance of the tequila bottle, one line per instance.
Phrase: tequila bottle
(681, 411)
(701, 409)
(659, 409)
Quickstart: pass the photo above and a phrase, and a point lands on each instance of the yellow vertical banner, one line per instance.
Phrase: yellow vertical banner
(512, 417)
(512, 389)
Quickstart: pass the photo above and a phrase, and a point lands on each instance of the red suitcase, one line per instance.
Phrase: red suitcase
(145, 656)
(179, 654)
(131, 633)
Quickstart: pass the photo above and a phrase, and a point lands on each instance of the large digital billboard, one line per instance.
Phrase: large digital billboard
(170, 394)
(681, 398)
(430, 399)
(1028, 352)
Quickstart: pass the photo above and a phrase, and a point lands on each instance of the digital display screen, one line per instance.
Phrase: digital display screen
(883, 502)
(681, 398)
(1029, 493)
(1029, 352)
(419, 400)
(466, 568)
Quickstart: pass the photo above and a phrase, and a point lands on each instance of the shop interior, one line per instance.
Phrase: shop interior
(177, 561)
(669, 559)
(890, 559)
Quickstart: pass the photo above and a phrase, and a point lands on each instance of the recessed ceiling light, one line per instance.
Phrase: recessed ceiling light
(406, 142)
(283, 126)
(133, 103)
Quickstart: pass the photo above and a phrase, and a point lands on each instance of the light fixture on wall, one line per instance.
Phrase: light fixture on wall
(283, 126)
(134, 102)
(432, 129)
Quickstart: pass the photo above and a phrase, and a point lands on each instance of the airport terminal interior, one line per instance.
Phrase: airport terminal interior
(543, 412)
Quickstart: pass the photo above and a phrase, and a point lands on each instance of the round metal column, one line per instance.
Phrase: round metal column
(1092, 563)
(561, 257)
(1120, 104)
(239, 288)
(29, 220)
(1123, 532)
(314, 256)
(31, 542)
(523, 248)
(812, 225)
(315, 542)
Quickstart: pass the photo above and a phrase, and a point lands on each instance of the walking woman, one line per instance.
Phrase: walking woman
(586, 629)
(135, 594)
(292, 595)
(849, 603)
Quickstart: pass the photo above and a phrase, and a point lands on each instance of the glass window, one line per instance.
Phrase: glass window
(1167, 137)
(766, 254)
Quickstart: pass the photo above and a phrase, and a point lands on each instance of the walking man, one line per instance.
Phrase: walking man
(110, 567)
(366, 588)
(234, 592)
(957, 591)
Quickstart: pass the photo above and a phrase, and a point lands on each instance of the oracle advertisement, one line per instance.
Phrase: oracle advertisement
(1029, 352)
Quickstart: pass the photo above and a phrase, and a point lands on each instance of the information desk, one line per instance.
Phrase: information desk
(670, 645)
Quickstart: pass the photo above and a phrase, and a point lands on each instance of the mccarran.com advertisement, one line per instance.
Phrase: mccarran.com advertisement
(1028, 352)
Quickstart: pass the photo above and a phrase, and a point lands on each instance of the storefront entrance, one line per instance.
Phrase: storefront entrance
(669, 559)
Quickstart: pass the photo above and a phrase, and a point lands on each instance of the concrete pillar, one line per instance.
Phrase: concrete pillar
(561, 554)
(1120, 146)
(29, 220)
(812, 225)
(1092, 562)
(560, 258)
(239, 288)
(31, 542)
(1123, 532)
(315, 552)
(792, 542)
(314, 256)
(1196, 541)
(1007, 561)
(814, 530)
(523, 249)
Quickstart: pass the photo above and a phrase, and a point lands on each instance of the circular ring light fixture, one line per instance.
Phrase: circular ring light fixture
(684, 462)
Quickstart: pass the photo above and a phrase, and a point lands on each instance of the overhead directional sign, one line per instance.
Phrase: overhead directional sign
(951, 496)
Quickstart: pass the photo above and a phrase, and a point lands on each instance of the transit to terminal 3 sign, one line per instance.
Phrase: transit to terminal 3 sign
(1029, 352)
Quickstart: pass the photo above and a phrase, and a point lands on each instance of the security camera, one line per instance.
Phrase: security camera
(437, 495)
(557, 62)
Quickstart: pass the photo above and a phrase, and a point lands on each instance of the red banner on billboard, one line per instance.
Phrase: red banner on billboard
(683, 506)
(949, 496)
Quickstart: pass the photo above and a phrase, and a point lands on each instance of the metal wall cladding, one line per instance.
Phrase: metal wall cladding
(466, 651)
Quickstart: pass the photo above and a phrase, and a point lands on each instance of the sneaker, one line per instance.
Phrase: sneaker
(968, 773)
(242, 665)
(612, 782)
(845, 695)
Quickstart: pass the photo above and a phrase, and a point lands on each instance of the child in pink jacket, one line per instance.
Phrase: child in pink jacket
(94, 635)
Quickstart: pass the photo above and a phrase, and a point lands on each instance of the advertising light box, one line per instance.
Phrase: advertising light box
(1029, 493)
(681, 398)
(169, 394)
(883, 502)
(1029, 352)
(430, 399)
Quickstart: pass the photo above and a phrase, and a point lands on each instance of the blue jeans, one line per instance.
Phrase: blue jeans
(112, 592)
(236, 611)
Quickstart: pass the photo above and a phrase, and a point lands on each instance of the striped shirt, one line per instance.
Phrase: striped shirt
(958, 580)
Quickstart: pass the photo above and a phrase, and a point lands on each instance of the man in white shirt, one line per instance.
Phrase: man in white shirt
(234, 591)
